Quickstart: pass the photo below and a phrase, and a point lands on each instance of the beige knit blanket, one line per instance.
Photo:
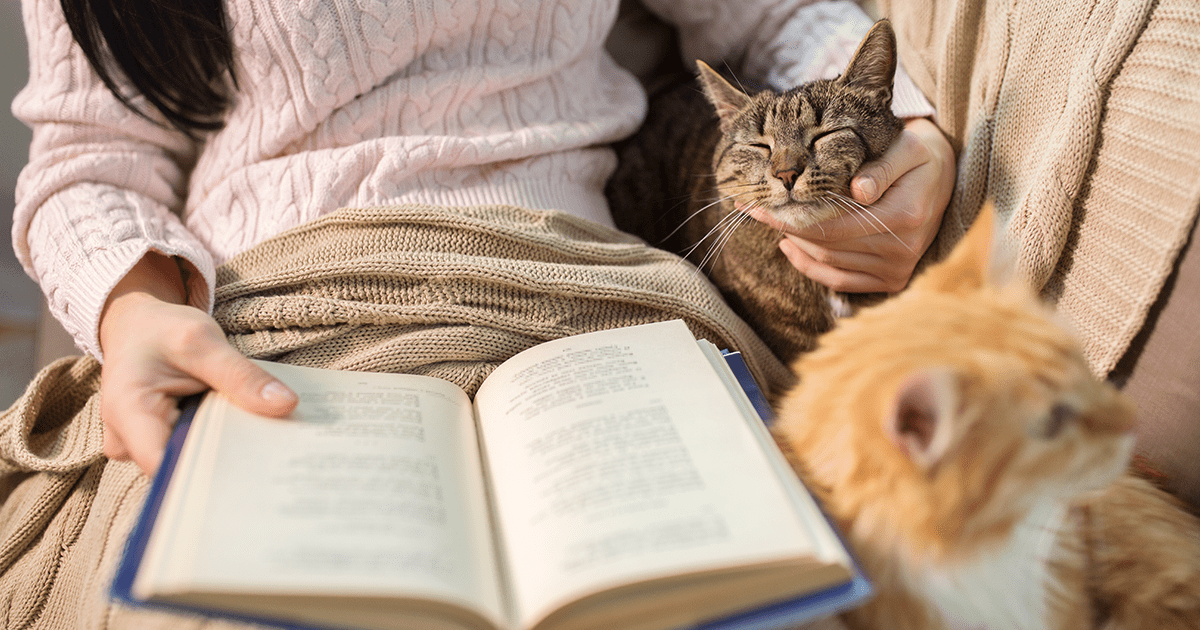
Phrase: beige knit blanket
(442, 292)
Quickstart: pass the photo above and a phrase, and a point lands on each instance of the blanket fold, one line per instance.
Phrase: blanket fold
(446, 292)
(55, 426)
(451, 294)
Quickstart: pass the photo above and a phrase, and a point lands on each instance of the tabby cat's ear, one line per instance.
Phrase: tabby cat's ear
(873, 67)
(922, 415)
(727, 99)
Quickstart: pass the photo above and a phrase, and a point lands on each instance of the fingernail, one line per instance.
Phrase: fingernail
(867, 187)
(277, 392)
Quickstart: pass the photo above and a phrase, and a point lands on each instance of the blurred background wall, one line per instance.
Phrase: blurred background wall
(20, 299)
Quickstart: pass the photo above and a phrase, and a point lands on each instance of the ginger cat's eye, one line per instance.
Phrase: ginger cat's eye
(1060, 415)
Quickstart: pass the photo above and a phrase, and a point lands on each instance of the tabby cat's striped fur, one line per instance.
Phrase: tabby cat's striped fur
(705, 153)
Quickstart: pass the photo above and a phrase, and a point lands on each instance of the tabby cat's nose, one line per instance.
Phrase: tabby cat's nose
(788, 177)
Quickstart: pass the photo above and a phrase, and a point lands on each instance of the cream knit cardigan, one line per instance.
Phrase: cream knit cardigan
(1081, 119)
(358, 104)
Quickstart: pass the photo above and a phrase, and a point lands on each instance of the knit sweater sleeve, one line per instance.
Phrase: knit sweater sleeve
(102, 186)
(784, 42)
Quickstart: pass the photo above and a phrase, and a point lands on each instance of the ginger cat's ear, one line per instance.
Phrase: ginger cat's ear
(727, 99)
(981, 258)
(921, 416)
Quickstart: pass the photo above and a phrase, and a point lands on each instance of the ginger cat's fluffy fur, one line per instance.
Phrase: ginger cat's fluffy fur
(958, 438)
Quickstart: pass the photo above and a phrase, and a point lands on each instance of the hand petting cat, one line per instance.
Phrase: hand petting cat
(877, 252)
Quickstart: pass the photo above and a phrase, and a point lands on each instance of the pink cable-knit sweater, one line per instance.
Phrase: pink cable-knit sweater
(362, 103)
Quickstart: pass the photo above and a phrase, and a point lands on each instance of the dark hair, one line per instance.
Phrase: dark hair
(177, 55)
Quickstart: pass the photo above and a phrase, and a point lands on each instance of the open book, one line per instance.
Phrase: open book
(612, 479)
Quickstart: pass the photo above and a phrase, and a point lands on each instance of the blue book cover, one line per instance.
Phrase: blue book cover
(785, 614)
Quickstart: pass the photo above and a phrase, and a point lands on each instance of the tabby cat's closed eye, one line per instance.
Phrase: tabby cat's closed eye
(728, 153)
(820, 134)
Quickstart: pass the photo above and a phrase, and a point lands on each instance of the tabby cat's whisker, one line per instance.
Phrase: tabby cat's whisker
(827, 203)
(889, 230)
(735, 220)
(866, 209)
(735, 77)
(732, 216)
(856, 209)
(738, 222)
(851, 200)
(738, 188)
(841, 203)
(710, 253)
(754, 205)
(854, 215)
(855, 212)
(695, 214)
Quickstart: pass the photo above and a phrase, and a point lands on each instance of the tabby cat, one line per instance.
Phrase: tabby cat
(959, 440)
(682, 177)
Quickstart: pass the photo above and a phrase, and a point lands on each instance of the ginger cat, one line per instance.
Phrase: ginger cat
(978, 469)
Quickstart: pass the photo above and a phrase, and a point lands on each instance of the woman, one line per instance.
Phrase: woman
(249, 118)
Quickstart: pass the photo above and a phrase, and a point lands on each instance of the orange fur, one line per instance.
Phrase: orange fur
(1144, 547)
(956, 427)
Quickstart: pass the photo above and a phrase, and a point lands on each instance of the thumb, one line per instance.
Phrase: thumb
(872, 179)
(906, 153)
(247, 385)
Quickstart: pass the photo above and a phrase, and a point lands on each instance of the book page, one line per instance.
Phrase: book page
(619, 456)
(372, 487)
(826, 544)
